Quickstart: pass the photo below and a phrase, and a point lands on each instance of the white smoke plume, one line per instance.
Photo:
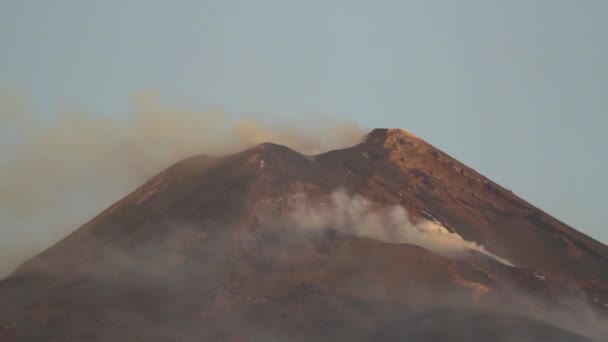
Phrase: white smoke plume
(355, 215)
(58, 173)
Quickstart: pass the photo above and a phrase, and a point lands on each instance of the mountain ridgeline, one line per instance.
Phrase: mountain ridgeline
(388, 240)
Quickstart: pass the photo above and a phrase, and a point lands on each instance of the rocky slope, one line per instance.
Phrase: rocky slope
(390, 239)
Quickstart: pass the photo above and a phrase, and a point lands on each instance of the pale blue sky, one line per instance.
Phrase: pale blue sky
(517, 89)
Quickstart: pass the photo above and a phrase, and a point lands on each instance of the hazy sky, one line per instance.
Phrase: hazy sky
(517, 90)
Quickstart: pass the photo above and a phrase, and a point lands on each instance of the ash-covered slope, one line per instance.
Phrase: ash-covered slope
(387, 240)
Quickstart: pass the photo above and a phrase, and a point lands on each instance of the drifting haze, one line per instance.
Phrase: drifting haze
(357, 216)
(58, 174)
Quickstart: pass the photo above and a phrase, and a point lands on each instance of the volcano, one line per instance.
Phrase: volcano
(388, 240)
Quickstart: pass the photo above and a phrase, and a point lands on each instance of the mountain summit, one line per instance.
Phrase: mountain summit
(391, 239)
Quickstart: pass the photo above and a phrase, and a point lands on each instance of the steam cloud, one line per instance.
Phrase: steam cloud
(55, 175)
(355, 215)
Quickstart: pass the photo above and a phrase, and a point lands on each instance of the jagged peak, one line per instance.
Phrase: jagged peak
(392, 138)
(267, 149)
(268, 154)
(386, 135)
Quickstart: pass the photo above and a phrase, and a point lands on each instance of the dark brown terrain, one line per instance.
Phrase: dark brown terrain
(208, 251)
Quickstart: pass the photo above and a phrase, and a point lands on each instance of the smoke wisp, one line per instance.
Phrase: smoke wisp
(355, 215)
(56, 174)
